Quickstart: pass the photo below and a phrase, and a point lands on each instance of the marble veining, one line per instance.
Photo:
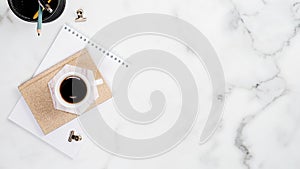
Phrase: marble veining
(262, 88)
(241, 20)
(258, 45)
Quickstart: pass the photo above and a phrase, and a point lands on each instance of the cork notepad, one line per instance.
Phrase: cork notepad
(37, 94)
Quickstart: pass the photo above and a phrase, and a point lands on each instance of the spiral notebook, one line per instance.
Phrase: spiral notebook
(21, 114)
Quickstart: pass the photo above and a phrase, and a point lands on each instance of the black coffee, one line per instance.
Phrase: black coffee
(73, 89)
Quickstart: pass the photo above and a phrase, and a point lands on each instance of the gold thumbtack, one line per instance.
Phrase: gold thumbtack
(80, 17)
(72, 136)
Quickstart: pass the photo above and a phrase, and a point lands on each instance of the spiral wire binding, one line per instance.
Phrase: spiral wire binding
(98, 47)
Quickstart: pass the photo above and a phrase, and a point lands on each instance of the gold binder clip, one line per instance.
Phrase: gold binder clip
(72, 136)
(80, 17)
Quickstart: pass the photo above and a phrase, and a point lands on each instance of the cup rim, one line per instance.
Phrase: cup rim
(60, 98)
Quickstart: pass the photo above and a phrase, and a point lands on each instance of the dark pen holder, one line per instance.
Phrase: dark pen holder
(26, 9)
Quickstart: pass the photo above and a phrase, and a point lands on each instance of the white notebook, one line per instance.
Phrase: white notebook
(21, 114)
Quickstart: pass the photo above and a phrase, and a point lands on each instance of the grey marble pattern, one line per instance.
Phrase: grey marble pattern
(258, 45)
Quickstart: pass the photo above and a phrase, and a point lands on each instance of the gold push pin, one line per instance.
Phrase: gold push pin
(80, 17)
(74, 137)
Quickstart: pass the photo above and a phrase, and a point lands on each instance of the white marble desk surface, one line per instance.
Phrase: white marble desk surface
(258, 43)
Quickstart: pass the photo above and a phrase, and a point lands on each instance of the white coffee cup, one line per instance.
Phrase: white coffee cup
(86, 76)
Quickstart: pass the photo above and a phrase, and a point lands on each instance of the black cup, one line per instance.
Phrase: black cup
(25, 9)
(73, 89)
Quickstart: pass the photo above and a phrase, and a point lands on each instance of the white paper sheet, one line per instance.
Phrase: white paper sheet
(66, 44)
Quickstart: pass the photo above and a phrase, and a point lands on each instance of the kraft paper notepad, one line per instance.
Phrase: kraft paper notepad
(38, 97)
(67, 43)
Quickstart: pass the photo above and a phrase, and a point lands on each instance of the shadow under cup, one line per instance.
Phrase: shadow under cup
(26, 9)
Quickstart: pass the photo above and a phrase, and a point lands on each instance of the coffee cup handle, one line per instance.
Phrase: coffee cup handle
(97, 83)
